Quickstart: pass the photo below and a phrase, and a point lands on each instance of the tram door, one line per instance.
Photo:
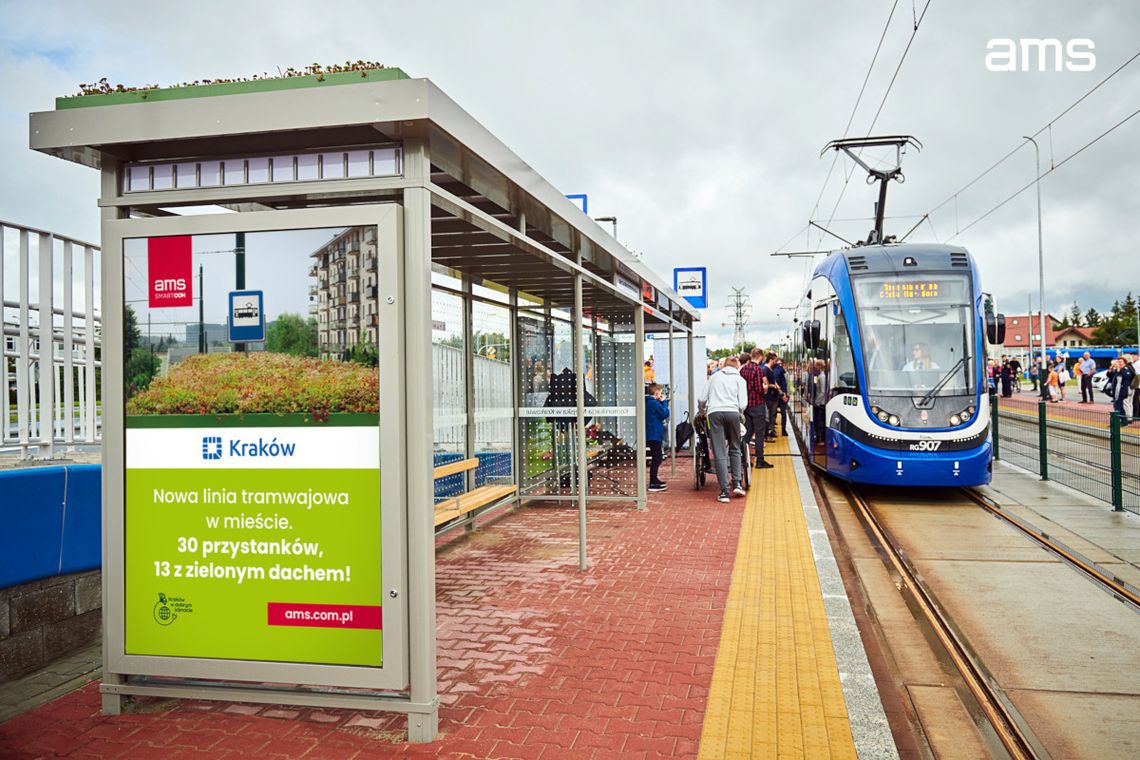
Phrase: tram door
(819, 391)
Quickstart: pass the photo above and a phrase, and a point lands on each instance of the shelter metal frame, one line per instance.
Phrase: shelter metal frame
(465, 204)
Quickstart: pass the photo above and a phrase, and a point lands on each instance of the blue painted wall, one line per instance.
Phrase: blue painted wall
(49, 522)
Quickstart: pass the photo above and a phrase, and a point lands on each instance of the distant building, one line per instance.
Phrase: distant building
(1070, 337)
(215, 334)
(346, 300)
(1020, 330)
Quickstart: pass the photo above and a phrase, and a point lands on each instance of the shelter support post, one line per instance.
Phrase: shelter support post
(112, 376)
(583, 479)
(469, 349)
(692, 394)
(638, 364)
(416, 359)
(516, 392)
(672, 425)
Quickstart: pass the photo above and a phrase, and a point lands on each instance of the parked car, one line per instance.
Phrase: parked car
(1099, 380)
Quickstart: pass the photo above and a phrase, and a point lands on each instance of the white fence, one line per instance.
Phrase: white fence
(51, 341)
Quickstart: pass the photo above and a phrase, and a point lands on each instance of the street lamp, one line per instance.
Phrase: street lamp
(611, 219)
(1040, 255)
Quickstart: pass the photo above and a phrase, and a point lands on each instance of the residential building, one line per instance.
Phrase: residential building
(344, 298)
(1074, 337)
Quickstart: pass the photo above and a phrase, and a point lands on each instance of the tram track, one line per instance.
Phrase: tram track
(1008, 728)
(1105, 580)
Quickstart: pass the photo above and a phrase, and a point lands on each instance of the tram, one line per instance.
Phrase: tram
(887, 363)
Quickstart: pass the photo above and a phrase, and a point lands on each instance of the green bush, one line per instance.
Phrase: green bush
(260, 383)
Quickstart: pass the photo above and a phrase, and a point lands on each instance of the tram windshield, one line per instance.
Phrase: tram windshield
(917, 333)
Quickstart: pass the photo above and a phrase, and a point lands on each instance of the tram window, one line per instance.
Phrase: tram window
(843, 377)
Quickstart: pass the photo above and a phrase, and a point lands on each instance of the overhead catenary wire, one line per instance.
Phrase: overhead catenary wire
(1046, 173)
(1048, 127)
(882, 103)
(851, 118)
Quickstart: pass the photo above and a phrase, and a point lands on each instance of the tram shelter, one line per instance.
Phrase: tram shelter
(484, 298)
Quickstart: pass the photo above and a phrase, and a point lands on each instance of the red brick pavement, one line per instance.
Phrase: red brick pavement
(536, 660)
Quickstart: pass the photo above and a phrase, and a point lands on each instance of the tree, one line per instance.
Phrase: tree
(131, 334)
(140, 369)
(1075, 315)
(720, 353)
(364, 352)
(292, 334)
(1092, 317)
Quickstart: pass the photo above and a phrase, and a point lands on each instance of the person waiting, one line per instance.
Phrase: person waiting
(656, 412)
(726, 397)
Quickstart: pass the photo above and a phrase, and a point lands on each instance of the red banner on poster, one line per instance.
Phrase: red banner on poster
(170, 271)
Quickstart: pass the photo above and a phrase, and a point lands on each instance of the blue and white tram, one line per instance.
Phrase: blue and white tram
(888, 365)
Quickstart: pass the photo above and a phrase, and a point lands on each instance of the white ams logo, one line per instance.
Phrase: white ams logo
(1040, 55)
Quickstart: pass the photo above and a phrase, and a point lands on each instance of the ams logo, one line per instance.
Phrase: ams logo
(1039, 55)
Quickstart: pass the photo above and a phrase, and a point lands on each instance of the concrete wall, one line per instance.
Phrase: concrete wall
(50, 554)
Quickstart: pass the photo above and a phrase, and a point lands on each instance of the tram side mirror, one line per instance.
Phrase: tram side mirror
(995, 329)
(815, 333)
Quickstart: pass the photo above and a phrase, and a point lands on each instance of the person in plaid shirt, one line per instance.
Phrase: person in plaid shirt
(756, 413)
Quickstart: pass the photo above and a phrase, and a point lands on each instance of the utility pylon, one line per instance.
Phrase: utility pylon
(740, 308)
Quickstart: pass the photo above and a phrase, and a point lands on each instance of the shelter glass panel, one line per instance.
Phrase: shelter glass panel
(494, 401)
(449, 395)
(612, 436)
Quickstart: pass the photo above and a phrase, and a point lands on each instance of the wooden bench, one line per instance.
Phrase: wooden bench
(469, 501)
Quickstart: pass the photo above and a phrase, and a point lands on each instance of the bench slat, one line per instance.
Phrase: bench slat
(453, 467)
(460, 505)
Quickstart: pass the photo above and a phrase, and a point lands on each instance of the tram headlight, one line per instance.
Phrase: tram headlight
(883, 416)
(894, 420)
(955, 420)
(970, 412)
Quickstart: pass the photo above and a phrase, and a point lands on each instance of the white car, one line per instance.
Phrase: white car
(1099, 380)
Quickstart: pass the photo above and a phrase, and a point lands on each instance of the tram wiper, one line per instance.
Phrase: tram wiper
(938, 386)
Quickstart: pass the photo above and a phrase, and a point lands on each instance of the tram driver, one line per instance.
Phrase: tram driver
(920, 359)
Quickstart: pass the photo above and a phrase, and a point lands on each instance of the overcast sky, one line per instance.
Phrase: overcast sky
(699, 125)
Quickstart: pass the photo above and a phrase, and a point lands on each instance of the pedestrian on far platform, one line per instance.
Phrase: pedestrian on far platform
(1034, 372)
(1087, 368)
(1006, 379)
(1135, 385)
(1062, 375)
(1122, 384)
(1052, 381)
(1045, 392)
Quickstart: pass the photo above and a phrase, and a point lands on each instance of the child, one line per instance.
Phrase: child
(656, 412)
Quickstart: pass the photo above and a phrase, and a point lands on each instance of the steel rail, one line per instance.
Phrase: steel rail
(1005, 726)
(1115, 586)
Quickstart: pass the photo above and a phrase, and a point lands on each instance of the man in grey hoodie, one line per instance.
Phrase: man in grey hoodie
(725, 398)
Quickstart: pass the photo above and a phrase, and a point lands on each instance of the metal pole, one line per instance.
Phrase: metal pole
(692, 393)
(995, 432)
(672, 407)
(1040, 254)
(1115, 425)
(583, 479)
(1043, 439)
(201, 314)
(638, 363)
(239, 274)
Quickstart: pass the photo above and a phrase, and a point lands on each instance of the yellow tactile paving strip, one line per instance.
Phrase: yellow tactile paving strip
(775, 689)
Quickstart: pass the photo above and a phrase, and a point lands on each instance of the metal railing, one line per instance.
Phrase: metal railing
(51, 339)
(1089, 448)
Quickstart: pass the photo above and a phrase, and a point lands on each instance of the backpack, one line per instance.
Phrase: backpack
(684, 432)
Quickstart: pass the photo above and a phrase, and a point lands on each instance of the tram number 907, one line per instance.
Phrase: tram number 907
(926, 446)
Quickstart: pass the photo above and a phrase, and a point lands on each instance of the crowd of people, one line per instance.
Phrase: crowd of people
(1051, 376)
